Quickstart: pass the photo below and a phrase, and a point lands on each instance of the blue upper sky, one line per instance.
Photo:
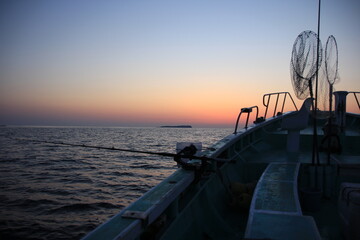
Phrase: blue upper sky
(110, 62)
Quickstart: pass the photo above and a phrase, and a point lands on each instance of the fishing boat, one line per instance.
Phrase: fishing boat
(264, 181)
(293, 175)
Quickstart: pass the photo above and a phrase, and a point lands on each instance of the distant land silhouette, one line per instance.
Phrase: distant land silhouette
(177, 126)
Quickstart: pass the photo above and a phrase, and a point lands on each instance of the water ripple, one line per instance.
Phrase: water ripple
(59, 192)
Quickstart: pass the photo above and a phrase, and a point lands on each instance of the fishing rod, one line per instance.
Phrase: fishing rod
(187, 153)
(182, 154)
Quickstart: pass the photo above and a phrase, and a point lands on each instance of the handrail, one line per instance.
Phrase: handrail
(248, 111)
(357, 100)
(277, 100)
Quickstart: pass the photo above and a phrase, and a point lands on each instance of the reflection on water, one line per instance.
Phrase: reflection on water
(52, 191)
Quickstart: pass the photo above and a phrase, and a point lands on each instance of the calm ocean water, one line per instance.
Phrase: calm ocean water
(59, 192)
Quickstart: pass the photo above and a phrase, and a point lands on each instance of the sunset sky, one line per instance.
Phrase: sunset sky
(151, 63)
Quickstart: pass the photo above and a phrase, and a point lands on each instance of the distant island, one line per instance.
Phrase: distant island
(177, 126)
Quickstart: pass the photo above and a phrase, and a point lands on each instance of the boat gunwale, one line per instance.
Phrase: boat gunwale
(137, 224)
(226, 142)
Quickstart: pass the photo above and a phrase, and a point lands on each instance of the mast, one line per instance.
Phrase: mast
(315, 153)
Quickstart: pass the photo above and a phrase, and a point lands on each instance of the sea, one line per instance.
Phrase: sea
(53, 191)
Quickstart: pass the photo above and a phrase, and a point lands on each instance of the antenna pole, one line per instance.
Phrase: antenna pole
(315, 154)
(317, 59)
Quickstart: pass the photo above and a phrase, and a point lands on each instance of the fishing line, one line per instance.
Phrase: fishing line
(177, 157)
(164, 154)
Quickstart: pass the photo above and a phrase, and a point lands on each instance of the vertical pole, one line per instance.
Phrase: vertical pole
(277, 100)
(247, 119)
(267, 105)
(356, 99)
(330, 123)
(237, 122)
(282, 109)
(340, 108)
(317, 58)
(315, 154)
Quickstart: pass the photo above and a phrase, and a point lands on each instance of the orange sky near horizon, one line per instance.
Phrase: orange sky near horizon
(160, 62)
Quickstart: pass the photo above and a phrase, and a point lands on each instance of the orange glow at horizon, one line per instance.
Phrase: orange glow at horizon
(194, 109)
(159, 62)
(213, 104)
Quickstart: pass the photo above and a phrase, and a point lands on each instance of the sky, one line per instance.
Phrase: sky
(160, 62)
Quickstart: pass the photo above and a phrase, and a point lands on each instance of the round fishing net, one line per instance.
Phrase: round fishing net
(323, 95)
(331, 60)
(304, 59)
(328, 77)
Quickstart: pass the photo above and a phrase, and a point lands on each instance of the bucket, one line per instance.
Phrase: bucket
(311, 199)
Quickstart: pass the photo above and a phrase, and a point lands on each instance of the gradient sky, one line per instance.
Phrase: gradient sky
(149, 63)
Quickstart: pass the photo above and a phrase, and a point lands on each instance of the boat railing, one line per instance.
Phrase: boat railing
(266, 102)
(356, 97)
(247, 110)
